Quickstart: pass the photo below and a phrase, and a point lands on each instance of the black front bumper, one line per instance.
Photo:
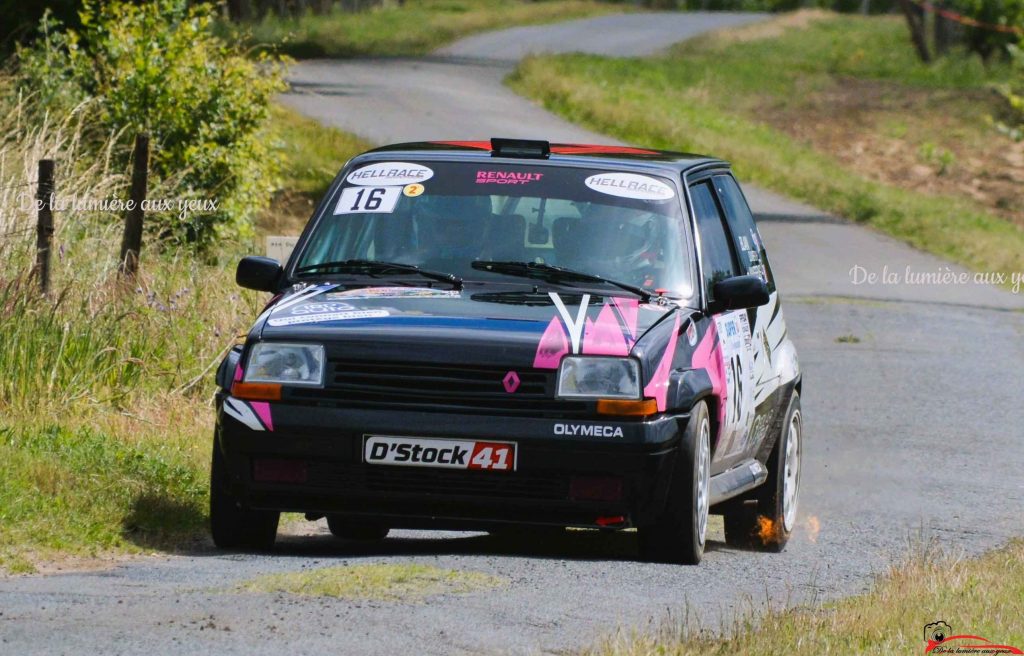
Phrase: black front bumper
(312, 462)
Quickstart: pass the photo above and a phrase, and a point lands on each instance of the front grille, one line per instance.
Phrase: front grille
(359, 478)
(439, 387)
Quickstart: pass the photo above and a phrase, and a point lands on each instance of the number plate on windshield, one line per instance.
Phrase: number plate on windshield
(446, 454)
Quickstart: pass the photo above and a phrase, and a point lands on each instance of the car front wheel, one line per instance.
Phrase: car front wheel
(678, 535)
(232, 526)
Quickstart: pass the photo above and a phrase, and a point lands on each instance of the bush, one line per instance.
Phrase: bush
(1014, 94)
(988, 42)
(158, 68)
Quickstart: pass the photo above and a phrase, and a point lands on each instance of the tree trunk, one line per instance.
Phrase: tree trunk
(239, 10)
(915, 21)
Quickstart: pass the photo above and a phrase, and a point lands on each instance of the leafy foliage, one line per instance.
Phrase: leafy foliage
(988, 42)
(1014, 94)
(159, 68)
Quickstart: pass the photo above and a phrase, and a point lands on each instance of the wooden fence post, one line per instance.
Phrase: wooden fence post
(44, 224)
(131, 245)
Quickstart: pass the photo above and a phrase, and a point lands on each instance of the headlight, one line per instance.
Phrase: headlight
(288, 364)
(592, 378)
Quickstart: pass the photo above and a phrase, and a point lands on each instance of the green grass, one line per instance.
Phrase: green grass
(84, 492)
(314, 153)
(105, 420)
(982, 596)
(417, 28)
(402, 582)
(709, 95)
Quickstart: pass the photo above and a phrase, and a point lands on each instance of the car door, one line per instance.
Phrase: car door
(766, 326)
(735, 385)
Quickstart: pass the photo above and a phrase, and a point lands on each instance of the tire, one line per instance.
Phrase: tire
(349, 530)
(766, 522)
(678, 535)
(233, 527)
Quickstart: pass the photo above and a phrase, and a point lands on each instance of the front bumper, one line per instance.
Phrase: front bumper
(309, 459)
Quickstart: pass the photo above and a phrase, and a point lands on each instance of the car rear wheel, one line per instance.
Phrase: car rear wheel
(347, 529)
(679, 533)
(767, 521)
(232, 526)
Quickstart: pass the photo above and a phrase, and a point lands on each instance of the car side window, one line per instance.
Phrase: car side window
(746, 238)
(716, 252)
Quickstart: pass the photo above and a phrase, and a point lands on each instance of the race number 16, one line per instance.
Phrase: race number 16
(363, 200)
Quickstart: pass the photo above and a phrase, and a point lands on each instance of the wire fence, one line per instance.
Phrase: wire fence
(19, 186)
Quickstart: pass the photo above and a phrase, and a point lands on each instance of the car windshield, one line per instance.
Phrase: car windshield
(444, 216)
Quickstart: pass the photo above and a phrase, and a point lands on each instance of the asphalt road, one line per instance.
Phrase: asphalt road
(914, 435)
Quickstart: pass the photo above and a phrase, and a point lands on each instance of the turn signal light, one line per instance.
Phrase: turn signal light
(256, 391)
(623, 407)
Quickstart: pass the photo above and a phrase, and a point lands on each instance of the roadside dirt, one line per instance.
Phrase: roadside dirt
(773, 28)
(922, 139)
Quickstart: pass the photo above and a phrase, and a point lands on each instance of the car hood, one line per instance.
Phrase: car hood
(519, 328)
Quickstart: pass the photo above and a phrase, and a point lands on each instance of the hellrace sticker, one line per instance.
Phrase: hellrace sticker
(630, 185)
(390, 173)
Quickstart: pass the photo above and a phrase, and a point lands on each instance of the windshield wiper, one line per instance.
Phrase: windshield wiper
(382, 268)
(553, 273)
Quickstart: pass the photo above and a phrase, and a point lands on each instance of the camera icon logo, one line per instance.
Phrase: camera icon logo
(937, 631)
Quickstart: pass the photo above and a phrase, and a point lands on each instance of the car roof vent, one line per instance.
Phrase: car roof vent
(520, 148)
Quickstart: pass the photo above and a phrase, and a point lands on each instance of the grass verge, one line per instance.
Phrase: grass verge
(982, 596)
(105, 402)
(313, 154)
(415, 28)
(89, 491)
(734, 94)
(405, 582)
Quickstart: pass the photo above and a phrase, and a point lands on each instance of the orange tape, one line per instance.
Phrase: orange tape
(967, 20)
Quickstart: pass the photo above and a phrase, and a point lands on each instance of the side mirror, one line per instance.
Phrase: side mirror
(259, 273)
(740, 293)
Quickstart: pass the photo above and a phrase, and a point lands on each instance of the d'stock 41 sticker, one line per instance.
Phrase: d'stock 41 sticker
(630, 185)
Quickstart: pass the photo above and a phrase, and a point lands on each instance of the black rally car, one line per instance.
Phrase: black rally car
(489, 336)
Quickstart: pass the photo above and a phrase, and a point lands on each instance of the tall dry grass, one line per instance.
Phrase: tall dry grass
(95, 338)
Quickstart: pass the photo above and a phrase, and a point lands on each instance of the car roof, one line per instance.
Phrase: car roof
(560, 153)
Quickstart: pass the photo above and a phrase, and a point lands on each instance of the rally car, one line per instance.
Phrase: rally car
(509, 335)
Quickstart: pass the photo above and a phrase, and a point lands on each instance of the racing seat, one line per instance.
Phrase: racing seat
(565, 238)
